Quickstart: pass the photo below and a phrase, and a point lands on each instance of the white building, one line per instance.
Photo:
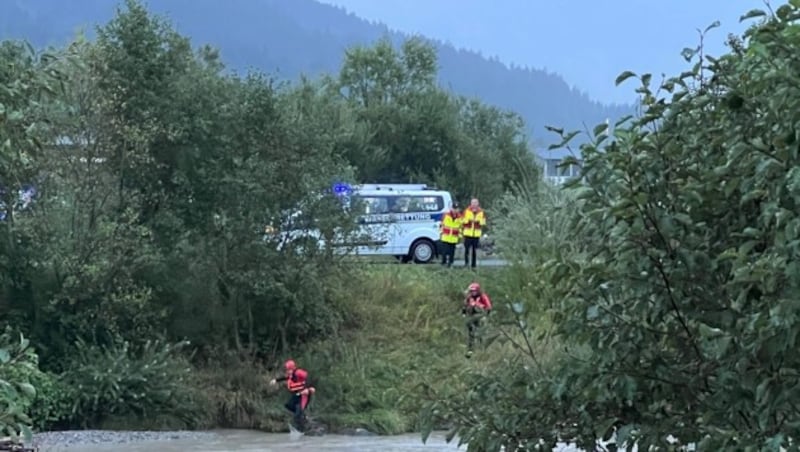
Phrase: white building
(550, 161)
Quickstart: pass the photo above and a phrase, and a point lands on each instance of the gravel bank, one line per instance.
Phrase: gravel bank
(77, 438)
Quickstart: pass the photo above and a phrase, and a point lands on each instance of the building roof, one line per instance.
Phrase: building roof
(557, 154)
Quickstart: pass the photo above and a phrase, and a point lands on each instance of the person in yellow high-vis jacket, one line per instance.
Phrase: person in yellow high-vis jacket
(472, 223)
(449, 234)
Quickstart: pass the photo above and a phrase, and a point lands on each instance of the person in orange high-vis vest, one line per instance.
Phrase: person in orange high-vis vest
(449, 235)
(297, 383)
(472, 223)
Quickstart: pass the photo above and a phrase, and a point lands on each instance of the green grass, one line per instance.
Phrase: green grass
(406, 331)
(409, 332)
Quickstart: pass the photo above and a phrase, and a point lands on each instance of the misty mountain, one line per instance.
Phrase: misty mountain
(287, 38)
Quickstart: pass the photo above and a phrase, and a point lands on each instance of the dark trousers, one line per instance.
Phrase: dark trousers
(471, 243)
(297, 406)
(448, 252)
(474, 322)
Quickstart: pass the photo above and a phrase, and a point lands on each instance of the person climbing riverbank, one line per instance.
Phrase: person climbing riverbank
(301, 391)
(477, 305)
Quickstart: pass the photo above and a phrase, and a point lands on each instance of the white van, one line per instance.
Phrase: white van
(400, 220)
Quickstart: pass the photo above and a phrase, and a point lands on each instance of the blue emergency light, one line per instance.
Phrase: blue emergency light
(341, 188)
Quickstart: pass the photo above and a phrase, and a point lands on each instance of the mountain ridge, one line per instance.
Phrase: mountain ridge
(286, 39)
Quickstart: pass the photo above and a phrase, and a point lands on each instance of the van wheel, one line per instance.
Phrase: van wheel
(423, 251)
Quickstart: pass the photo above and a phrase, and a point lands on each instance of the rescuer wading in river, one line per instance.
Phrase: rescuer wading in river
(297, 383)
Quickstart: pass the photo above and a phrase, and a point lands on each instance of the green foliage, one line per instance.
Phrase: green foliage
(17, 361)
(528, 400)
(51, 408)
(402, 327)
(156, 174)
(543, 212)
(134, 382)
(676, 305)
(406, 332)
(237, 391)
(414, 131)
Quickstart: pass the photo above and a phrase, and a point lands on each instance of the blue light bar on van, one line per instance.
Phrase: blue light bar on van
(341, 188)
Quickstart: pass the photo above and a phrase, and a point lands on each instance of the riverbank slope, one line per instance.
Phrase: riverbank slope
(402, 335)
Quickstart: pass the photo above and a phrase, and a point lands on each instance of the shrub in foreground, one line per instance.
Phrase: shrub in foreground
(142, 384)
(679, 315)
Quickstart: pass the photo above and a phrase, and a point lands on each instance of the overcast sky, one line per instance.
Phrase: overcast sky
(588, 42)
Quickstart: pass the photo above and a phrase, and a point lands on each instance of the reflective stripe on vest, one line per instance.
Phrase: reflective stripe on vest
(294, 386)
(450, 229)
(472, 223)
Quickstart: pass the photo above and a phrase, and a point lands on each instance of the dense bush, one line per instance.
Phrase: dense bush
(17, 363)
(137, 383)
(677, 312)
(51, 408)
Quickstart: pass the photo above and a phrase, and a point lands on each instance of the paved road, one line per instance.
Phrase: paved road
(459, 263)
(482, 262)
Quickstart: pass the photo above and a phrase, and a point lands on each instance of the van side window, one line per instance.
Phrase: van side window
(418, 204)
(427, 204)
(401, 204)
(371, 205)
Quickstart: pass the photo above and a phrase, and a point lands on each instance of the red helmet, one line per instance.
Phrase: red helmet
(301, 375)
(290, 365)
(474, 287)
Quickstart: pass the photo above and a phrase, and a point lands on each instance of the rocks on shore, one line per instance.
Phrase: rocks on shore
(6, 444)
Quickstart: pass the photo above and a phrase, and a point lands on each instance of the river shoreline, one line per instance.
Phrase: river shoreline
(68, 439)
(244, 440)
(76, 438)
(216, 440)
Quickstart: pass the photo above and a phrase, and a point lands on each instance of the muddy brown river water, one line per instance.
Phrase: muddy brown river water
(250, 441)
(246, 441)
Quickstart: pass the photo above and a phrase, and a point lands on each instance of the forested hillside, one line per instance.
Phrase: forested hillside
(290, 37)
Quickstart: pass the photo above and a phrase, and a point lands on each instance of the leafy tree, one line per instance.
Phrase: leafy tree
(31, 83)
(677, 315)
(418, 132)
(494, 157)
(88, 251)
(139, 66)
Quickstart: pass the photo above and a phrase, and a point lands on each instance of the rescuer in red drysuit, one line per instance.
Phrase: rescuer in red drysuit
(477, 305)
(297, 383)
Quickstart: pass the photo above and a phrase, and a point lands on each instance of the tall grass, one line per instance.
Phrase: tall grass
(404, 331)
